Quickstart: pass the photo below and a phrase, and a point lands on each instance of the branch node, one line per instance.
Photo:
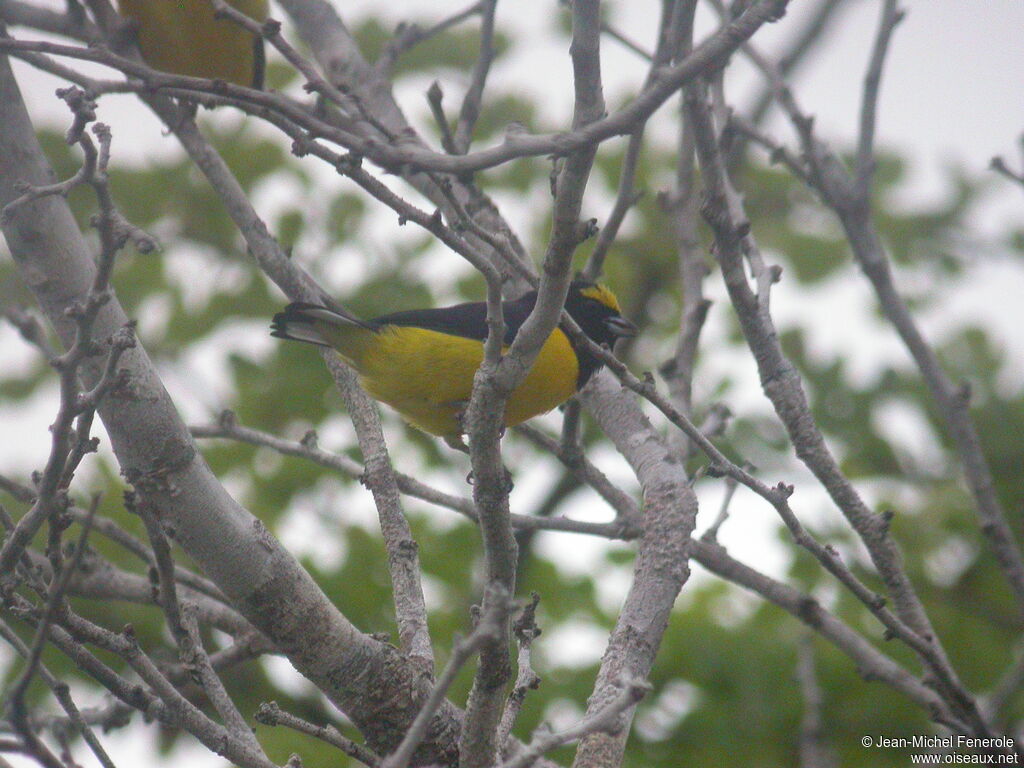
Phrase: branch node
(310, 440)
(525, 627)
(270, 28)
(268, 713)
(784, 490)
(227, 419)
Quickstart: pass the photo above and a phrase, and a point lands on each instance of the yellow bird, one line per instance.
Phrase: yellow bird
(422, 362)
(184, 38)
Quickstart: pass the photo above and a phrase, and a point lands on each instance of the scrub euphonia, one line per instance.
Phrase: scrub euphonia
(184, 38)
(422, 362)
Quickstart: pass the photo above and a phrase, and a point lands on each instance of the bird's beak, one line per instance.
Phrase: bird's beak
(620, 326)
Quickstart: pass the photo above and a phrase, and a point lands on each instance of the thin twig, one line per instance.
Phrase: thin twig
(199, 663)
(625, 507)
(1007, 689)
(711, 534)
(308, 448)
(871, 663)
(33, 658)
(163, 579)
(999, 165)
(606, 720)
(70, 439)
(178, 710)
(245, 648)
(76, 720)
(777, 153)
(684, 204)
(464, 506)
(408, 35)
(470, 110)
(891, 16)
(269, 713)
(75, 26)
(525, 631)
(625, 197)
(795, 53)
(435, 97)
(618, 37)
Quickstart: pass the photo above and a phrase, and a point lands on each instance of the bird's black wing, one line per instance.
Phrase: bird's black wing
(467, 320)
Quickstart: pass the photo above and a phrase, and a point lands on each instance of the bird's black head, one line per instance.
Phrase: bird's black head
(597, 312)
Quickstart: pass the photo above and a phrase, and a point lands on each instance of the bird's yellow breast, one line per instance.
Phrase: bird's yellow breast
(427, 376)
(182, 36)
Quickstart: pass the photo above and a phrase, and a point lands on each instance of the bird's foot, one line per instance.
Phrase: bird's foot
(507, 482)
(456, 442)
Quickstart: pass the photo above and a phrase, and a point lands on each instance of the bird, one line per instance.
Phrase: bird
(421, 362)
(183, 37)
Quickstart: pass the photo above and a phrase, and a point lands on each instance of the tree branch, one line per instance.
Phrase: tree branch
(489, 628)
(470, 109)
(270, 713)
(408, 36)
(608, 721)
(891, 16)
(870, 662)
(77, 723)
(403, 554)
(814, 751)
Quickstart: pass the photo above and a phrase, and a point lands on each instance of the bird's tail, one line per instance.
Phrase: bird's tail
(325, 327)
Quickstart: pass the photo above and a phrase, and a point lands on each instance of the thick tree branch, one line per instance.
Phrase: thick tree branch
(662, 562)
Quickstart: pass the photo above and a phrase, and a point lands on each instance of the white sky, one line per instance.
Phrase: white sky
(952, 93)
